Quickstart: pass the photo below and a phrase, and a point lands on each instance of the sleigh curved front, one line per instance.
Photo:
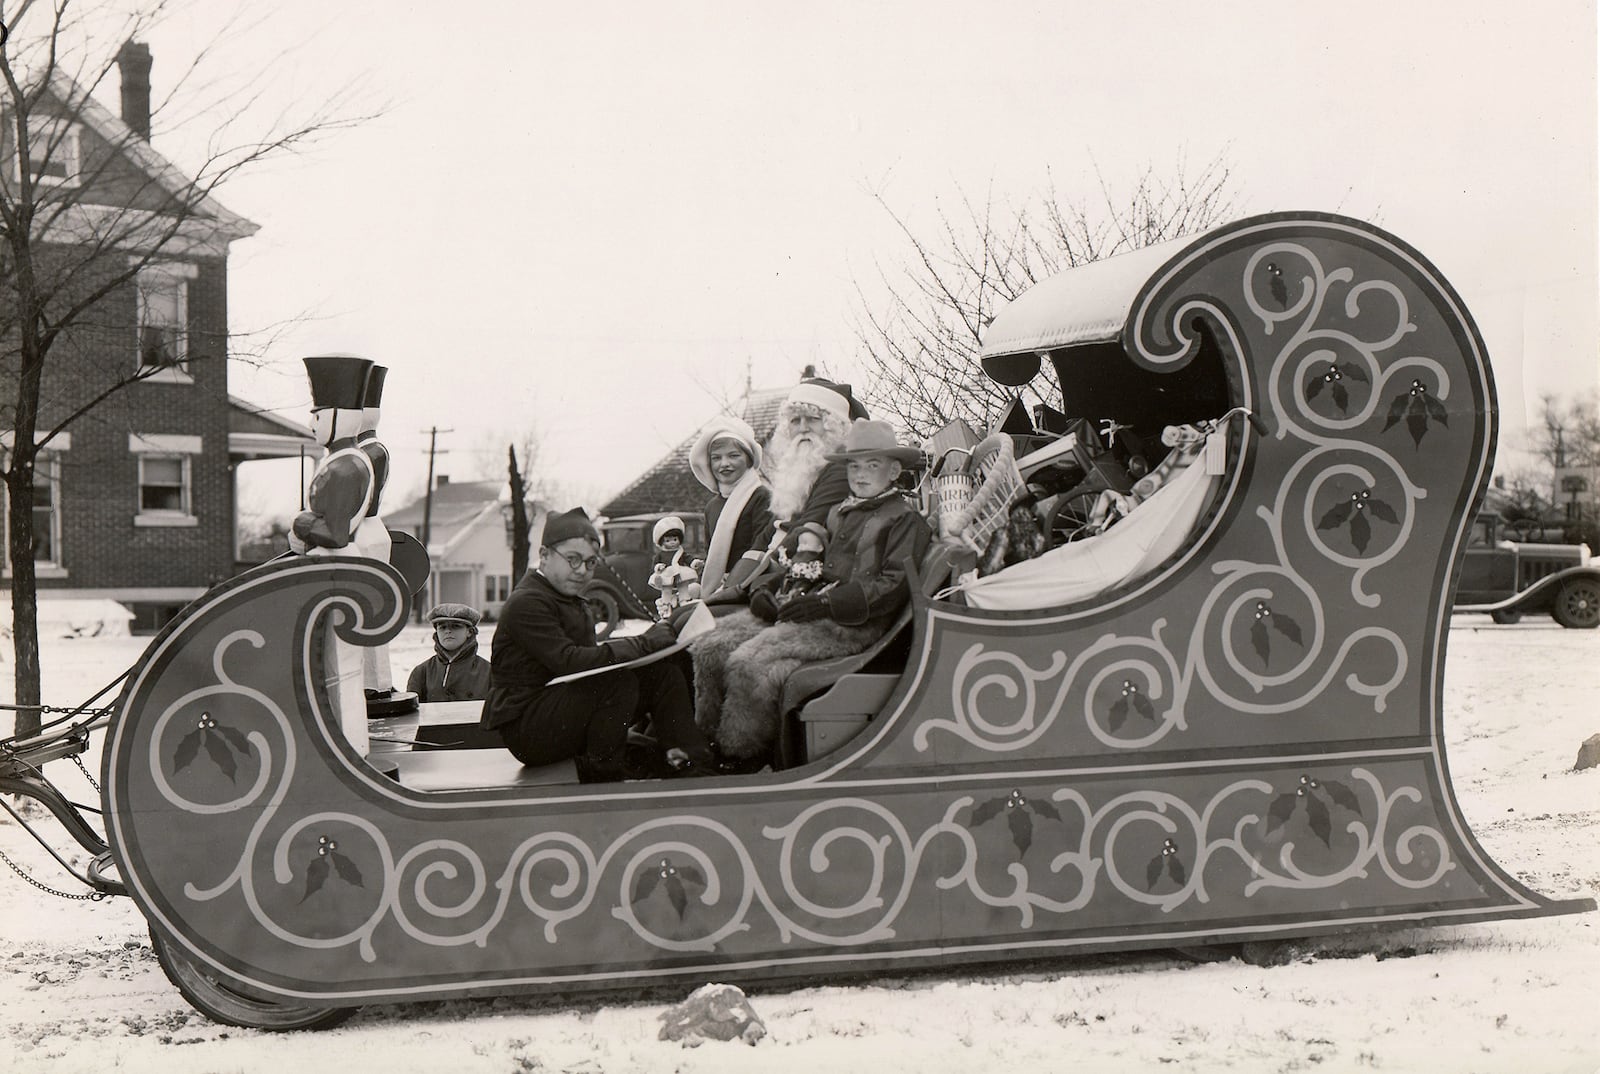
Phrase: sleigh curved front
(1245, 742)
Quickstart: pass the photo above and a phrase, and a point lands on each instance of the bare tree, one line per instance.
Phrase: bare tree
(1565, 438)
(919, 327)
(80, 219)
(521, 543)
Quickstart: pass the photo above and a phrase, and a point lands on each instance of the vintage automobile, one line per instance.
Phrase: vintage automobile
(621, 587)
(1508, 578)
(1217, 721)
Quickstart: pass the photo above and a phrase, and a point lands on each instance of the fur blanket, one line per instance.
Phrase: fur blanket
(710, 652)
(755, 672)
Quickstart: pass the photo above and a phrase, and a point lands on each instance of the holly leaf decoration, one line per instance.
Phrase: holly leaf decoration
(1045, 809)
(1119, 713)
(1315, 385)
(1175, 868)
(1287, 627)
(1397, 410)
(677, 895)
(1382, 511)
(234, 737)
(1341, 397)
(1360, 531)
(1021, 824)
(1279, 290)
(1337, 515)
(1260, 641)
(1321, 821)
(1354, 372)
(1152, 872)
(646, 884)
(1342, 796)
(691, 875)
(1417, 426)
(1281, 809)
(221, 755)
(316, 875)
(987, 811)
(187, 750)
(1142, 706)
(346, 869)
(1418, 408)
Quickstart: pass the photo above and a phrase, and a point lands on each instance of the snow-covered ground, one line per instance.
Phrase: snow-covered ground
(80, 990)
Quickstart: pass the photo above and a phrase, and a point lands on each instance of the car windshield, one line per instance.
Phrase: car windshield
(626, 539)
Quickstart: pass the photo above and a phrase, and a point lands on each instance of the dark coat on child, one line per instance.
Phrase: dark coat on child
(459, 676)
(542, 634)
(872, 546)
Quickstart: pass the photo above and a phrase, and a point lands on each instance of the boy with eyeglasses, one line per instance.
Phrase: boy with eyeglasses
(545, 632)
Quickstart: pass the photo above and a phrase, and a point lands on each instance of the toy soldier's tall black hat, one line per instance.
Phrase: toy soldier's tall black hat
(338, 381)
(374, 392)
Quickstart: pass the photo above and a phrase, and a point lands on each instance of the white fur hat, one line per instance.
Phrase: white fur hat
(723, 427)
(670, 524)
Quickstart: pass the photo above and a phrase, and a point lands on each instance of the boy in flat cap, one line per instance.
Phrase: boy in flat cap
(545, 632)
(873, 537)
(455, 671)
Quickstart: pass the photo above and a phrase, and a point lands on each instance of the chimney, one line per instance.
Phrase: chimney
(134, 60)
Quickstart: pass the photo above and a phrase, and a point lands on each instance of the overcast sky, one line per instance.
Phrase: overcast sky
(582, 221)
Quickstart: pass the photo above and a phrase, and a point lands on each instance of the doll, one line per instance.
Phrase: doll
(674, 575)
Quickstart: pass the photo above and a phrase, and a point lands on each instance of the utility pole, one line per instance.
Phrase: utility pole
(427, 496)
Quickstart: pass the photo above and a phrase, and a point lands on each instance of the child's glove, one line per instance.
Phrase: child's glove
(660, 636)
(764, 606)
(803, 609)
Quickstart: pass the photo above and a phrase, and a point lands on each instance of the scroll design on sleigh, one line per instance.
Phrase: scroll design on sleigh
(685, 882)
(1344, 501)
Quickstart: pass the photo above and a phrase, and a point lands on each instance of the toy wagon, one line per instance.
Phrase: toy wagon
(1221, 722)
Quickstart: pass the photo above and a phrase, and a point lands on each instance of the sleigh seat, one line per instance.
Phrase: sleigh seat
(825, 703)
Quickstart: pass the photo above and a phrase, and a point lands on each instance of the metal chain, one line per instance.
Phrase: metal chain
(93, 896)
(84, 769)
(47, 710)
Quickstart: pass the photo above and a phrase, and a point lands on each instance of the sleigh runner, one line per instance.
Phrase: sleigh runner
(1232, 732)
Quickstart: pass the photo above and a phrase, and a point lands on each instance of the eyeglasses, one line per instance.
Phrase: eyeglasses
(577, 562)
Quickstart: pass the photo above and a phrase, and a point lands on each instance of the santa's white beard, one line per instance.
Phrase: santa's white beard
(795, 466)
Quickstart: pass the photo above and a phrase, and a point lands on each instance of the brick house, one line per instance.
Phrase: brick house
(135, 501)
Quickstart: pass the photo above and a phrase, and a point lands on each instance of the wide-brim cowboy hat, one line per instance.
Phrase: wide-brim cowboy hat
(874, 438)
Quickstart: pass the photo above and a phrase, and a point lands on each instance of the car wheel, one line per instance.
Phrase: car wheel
(1506, 618)
(605, 610)
(222, 1004)
(1577, 604)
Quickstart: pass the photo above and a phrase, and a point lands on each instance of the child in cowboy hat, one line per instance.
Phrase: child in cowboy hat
(455, 671)
(873, 538)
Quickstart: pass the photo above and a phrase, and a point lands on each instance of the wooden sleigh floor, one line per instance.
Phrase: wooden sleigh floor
(441, 748)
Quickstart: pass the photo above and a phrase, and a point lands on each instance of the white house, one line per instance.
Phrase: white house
(468, 541)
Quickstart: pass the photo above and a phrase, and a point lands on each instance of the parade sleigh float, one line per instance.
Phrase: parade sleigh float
(1243, 740)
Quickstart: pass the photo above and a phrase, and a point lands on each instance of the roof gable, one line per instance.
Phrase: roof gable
(80, 106)
(669, 484)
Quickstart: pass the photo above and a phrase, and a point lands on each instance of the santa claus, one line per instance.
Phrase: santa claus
(806, 486)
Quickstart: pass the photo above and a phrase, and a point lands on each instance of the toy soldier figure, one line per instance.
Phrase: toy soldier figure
(341, 491)
(372, 539)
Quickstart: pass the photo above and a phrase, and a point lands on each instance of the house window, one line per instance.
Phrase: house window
(165, 479)
(54, 152)
(163, 321)
(496, 588)
(46, 514)
(47, 510)
(164, 484)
